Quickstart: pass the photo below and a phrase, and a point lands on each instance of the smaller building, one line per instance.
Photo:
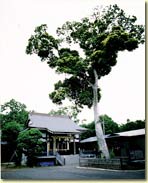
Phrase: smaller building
(129, 144)
(59, 133)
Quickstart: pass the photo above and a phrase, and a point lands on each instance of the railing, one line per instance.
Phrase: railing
(121, 163)
(100, 163)
(60, 159)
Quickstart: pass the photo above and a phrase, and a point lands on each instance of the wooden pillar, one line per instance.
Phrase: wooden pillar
(67, 145)
(54, 145)
(47, 144)
(74, 145)
(48, 147)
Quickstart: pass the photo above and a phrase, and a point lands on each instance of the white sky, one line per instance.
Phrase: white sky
(27, 80)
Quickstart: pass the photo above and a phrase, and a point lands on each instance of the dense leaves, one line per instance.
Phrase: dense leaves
(14, 111)
(10, 132)
(42, 43)
(71, 111)
(108, 125)
(19, 138)
(13, 118)
(90, 130)
(111, 127)
(100, 37)
(75, 89)
(29, 142)
(132, 125)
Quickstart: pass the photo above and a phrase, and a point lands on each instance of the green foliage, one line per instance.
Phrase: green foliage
(76, 89)
(132, 125)
(13, 120)
(100, 37)
(90, 132)
(110, 125)
(10, 132)
(12, 105)
(42, 43)
(71, 111)
(29, 142)
(14, 111)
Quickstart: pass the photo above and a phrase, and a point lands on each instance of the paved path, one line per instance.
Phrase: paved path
(68, 173)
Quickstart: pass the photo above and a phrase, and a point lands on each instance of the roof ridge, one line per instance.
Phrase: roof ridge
(131, 130)
(45, 114)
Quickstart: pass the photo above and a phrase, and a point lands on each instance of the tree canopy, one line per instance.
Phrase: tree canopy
(13, 119)
(14, 111)
(10, 132)
(29, 142)
(132, 125)
(109, 126)
(90, 132)
(71, 111)
(100, 37)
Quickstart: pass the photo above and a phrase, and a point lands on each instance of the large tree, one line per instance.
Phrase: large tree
(99, 37)
(71, 111)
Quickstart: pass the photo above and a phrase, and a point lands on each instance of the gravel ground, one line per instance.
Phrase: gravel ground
(69, 173)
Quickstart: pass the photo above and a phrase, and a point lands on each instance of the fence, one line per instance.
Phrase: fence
(119, 163)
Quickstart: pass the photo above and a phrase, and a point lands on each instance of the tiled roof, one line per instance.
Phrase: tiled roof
(54, 124)
(91, 139)
(132, 133)
(121, 134)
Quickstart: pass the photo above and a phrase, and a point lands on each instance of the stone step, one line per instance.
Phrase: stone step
(71, 159)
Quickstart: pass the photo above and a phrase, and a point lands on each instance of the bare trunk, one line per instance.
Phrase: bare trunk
(99, 132)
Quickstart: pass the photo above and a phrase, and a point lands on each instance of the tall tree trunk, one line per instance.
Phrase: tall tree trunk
(99, 132)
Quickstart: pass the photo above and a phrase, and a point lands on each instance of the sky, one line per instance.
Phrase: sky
(27, 80)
